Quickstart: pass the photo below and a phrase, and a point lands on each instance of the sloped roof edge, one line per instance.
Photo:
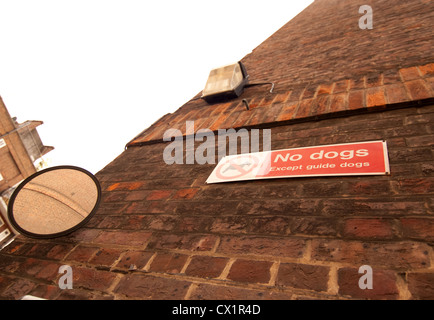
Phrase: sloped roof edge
(391, 89)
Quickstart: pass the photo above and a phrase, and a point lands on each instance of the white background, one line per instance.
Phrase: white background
(99, 72)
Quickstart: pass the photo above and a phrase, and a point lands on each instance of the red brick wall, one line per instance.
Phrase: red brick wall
(162, 233)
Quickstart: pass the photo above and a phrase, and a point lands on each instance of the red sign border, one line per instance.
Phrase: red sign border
(385, 159)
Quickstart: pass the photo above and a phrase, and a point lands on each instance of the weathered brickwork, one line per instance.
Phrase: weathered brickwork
(161, 232)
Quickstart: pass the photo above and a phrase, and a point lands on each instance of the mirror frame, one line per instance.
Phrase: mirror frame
(58, 234)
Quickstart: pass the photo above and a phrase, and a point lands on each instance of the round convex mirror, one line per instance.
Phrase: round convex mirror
(54, 202)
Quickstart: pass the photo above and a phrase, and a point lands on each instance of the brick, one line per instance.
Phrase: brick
(206, 266)
(418, 119)
(138, 195)
(185, 194)
(49, 292)
(271, 113)
(345, 207)
(319, 226)
(217, 292)
(296, 95)
(368, 188)
(230, 225)
(124, 186)
(287, 112)
(288, 206)
(325, 89)
(383, 284)
(357, 84)
(250, 271)
(39, 269)
(394, 255)
(221, 108)
(267, 100)
(166, 223)
(418, 90)
(341, 86)
(321, 105)
(418, 228)
(304, 108)
(111, 208)
(92, 279)
(303, 276)
(159, 195)
(282, 97)
(40, 249)
(309, 92)
(268, 225)
(391, 76)
(427, 69)
(408, 74)
(375, 97)
(410, 155)
(105, 257)
(229, 119)
(17, 247)
(114, 196)
(19, 288)
(82, 254)
(415, 186)
(369, 228)
(135, 222)
(285, 247)
(421, 285)
(374, 80)
(396, 93)
(134, 259)
(430, 82)
(150, 207)
(356, 99)
(194, 224)
(243, 117)
(48, 271)
(127, 238)
(427, 169)
(219, 123)
(279, 191)
(84, 235)
(168, 263)
(146, 287)
(420, 141)
(257, 117)
(190, 242)
(208, 121)
(83, 294)
(4, 283)
(204, 208)
(320, 189)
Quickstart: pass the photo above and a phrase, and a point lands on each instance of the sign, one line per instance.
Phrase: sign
(2, 143)
(349, 159)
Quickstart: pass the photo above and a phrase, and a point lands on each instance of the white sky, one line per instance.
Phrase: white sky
(98, 72)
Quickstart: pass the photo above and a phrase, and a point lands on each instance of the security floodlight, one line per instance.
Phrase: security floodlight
(225, 83)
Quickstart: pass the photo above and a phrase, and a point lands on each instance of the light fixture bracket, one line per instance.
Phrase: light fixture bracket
(225, 83)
